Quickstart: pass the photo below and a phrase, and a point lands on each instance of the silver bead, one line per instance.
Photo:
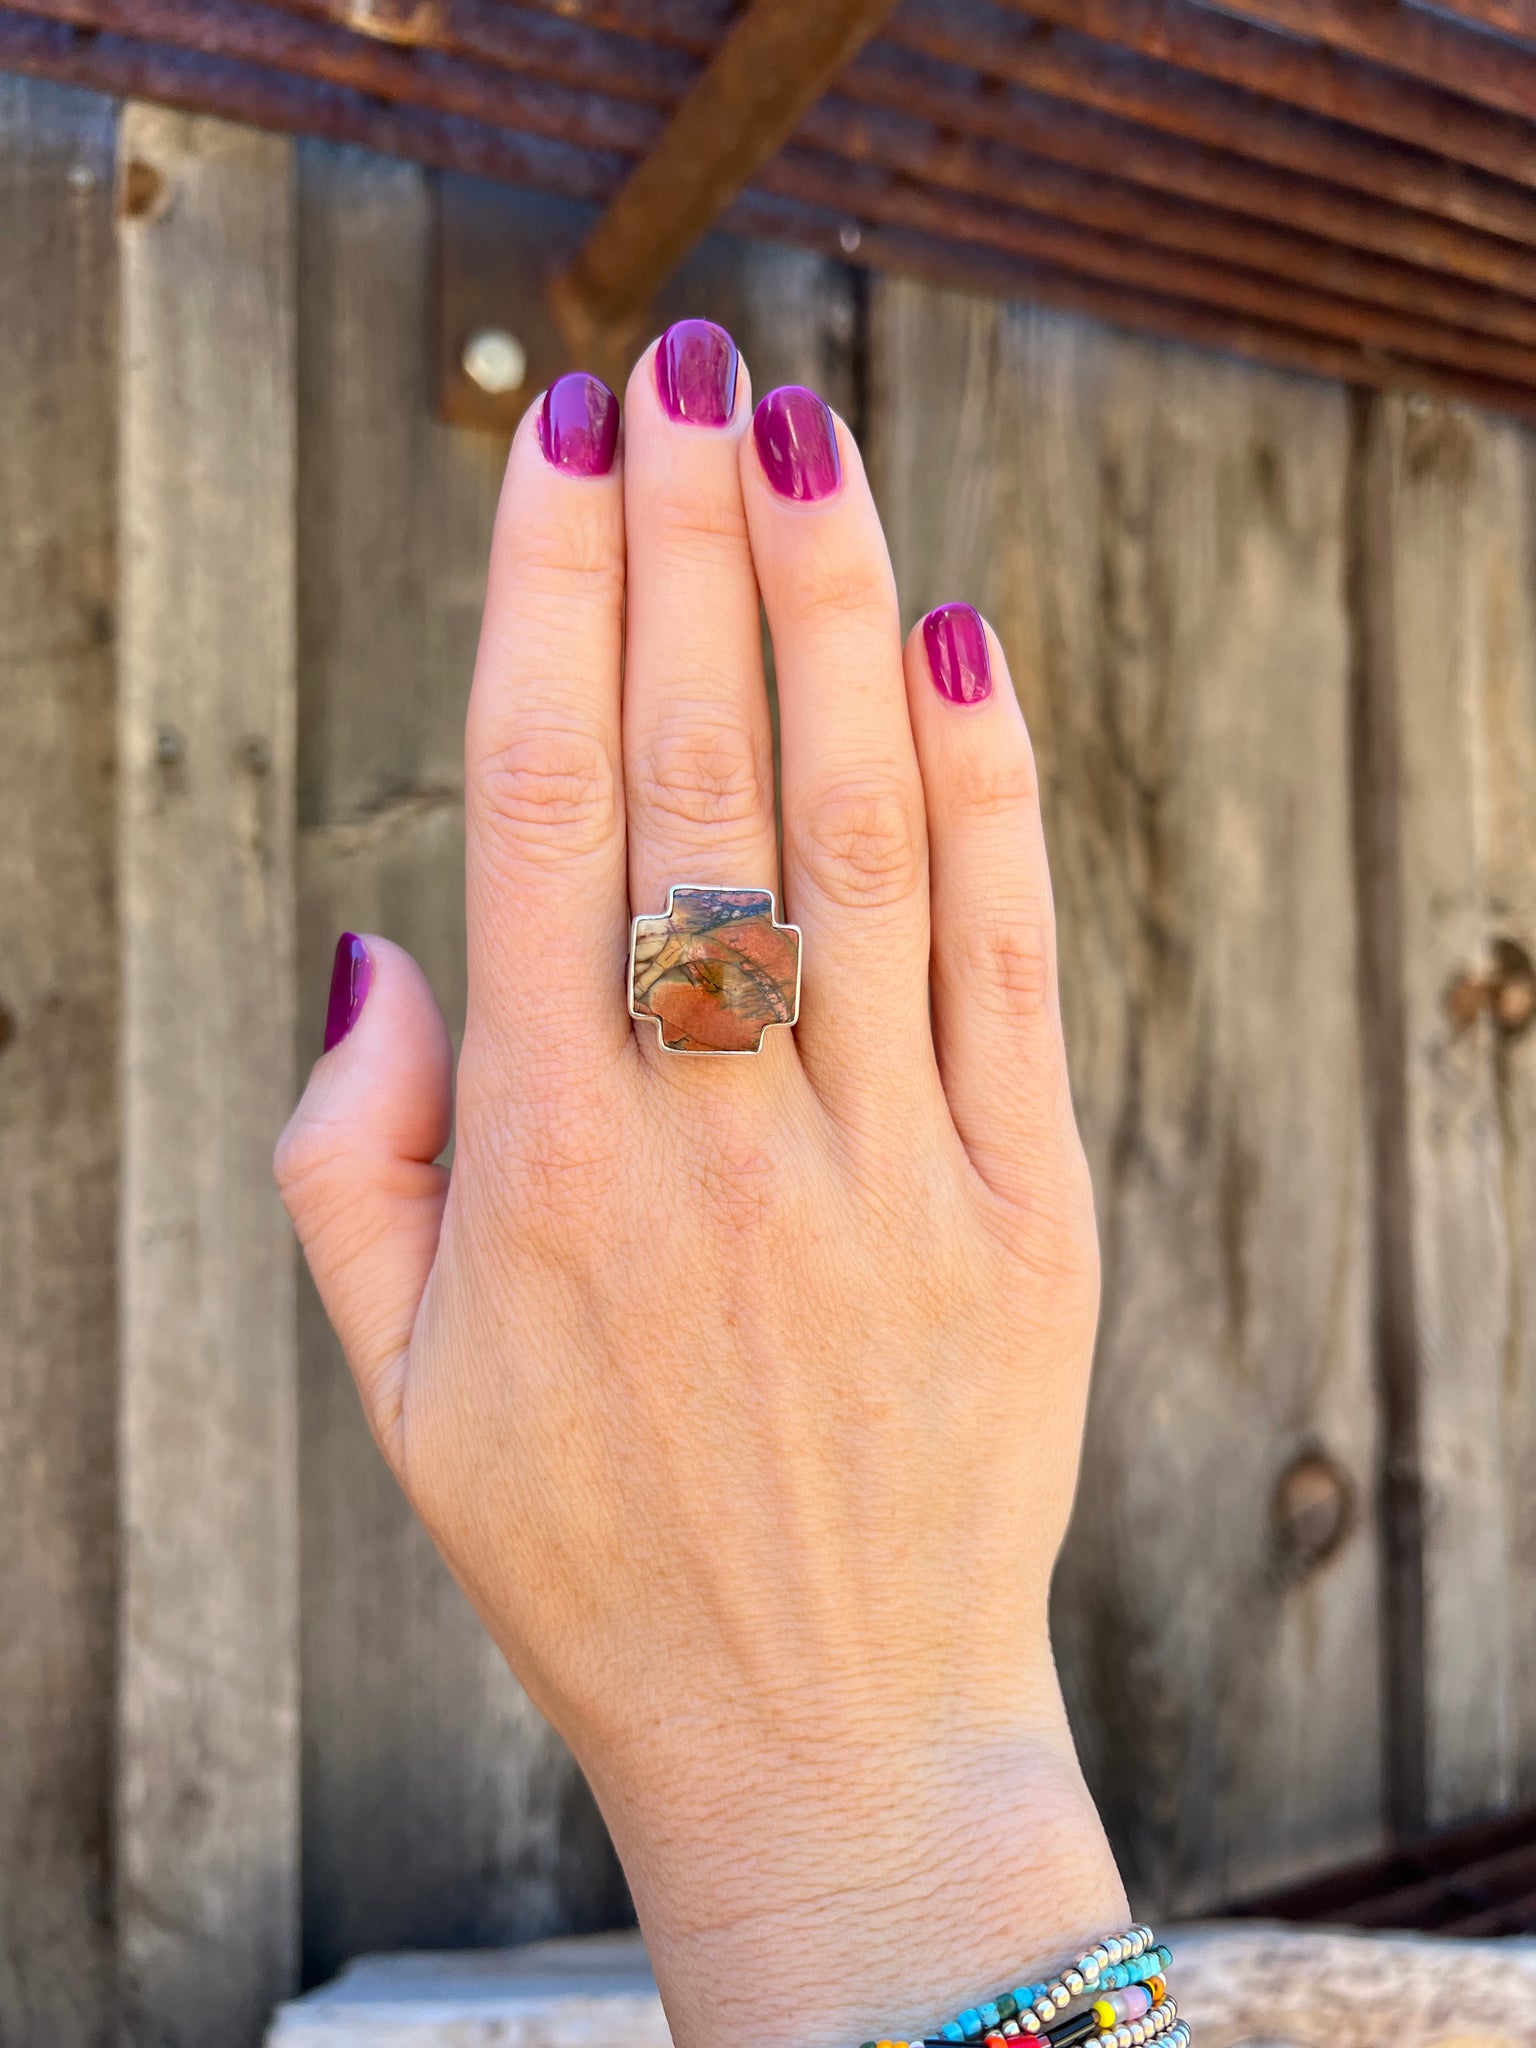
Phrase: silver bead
(1074, 1983)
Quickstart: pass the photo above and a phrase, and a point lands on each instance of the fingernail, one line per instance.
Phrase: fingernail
(797, 444)
(579, 425)
(696, 364)
(958, 661)
(351, 978)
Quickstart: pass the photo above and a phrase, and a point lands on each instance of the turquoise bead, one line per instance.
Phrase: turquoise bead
(952, 2031)
(990, 2017)
(970, 2023)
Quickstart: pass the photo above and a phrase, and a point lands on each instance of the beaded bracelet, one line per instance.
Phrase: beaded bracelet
(1124, 1979)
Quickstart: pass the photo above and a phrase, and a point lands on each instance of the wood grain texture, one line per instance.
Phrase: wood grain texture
(1451, 541)
(208, 1755)
(438, 1806)
(58, 1044)
(1157, 536)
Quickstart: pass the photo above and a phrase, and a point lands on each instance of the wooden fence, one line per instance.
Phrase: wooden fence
(1277, 643)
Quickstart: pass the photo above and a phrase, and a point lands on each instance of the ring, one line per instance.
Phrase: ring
(715, 969)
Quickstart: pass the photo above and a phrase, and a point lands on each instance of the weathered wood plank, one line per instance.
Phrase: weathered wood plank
(1450, 559)
(438, 1807)
(58, 1046)
(1157, 536)
(208, 1752)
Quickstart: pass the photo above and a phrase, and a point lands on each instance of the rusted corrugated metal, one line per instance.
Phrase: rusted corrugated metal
(1333, 184)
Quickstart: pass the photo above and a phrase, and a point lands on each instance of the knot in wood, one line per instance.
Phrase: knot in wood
(142, 193)
(1507, 991)
(1311, 1512)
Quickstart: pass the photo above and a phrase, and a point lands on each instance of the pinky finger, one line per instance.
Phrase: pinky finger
(996, 1017)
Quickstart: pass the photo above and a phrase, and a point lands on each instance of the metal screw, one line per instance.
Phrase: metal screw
(495, 360)
(849, 236)
(169, 746)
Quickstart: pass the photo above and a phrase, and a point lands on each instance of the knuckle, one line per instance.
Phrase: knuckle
(301, 1164)
(863, 843)
(834, 588)
(988, 788)
(550, 794)
(1006, 959)
(559, 561)
(317, 1188)
(690, 523)
(700, 775)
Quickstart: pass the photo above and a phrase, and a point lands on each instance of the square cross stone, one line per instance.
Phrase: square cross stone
(716, 970)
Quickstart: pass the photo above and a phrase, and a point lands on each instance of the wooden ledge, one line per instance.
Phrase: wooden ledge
(1237, 1983)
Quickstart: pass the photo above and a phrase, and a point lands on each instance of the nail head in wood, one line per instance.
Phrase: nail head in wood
(495, 361)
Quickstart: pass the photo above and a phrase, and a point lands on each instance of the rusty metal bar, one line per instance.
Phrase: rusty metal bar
(773, 63)
(1508, 17)
(588, 62)
(942, 260)
(1283, 67)
(892, 201)
(1089, 73)
(1188, 71)
(1231, 187)
(1489, 69)
(122, 65)
(255, 34)
(134, 69)
(1437, 318)
(911, 149)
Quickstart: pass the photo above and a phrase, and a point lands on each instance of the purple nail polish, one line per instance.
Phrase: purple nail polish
(797, 444)
(351, 978)
(579, 425)
(958, 661)
(696, 364)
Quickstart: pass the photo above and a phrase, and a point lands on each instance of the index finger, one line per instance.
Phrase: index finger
(544, 791)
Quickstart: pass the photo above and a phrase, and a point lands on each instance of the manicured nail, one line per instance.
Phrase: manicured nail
(797, 444)
(579, 425)
(956, 644)
(696, 364)
(351, 978)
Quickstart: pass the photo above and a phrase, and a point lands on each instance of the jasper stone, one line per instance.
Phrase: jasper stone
(716, 970)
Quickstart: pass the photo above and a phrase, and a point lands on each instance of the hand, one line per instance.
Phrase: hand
(743, 1396)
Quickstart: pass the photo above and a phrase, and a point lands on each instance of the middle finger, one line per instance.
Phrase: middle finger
(698, 749)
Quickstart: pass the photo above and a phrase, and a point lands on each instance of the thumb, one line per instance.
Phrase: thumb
(355, 1167)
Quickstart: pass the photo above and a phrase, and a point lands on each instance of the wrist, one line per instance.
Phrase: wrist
(821, 1892)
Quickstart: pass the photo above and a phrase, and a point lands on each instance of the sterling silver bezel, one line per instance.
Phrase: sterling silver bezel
(715, 1052)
